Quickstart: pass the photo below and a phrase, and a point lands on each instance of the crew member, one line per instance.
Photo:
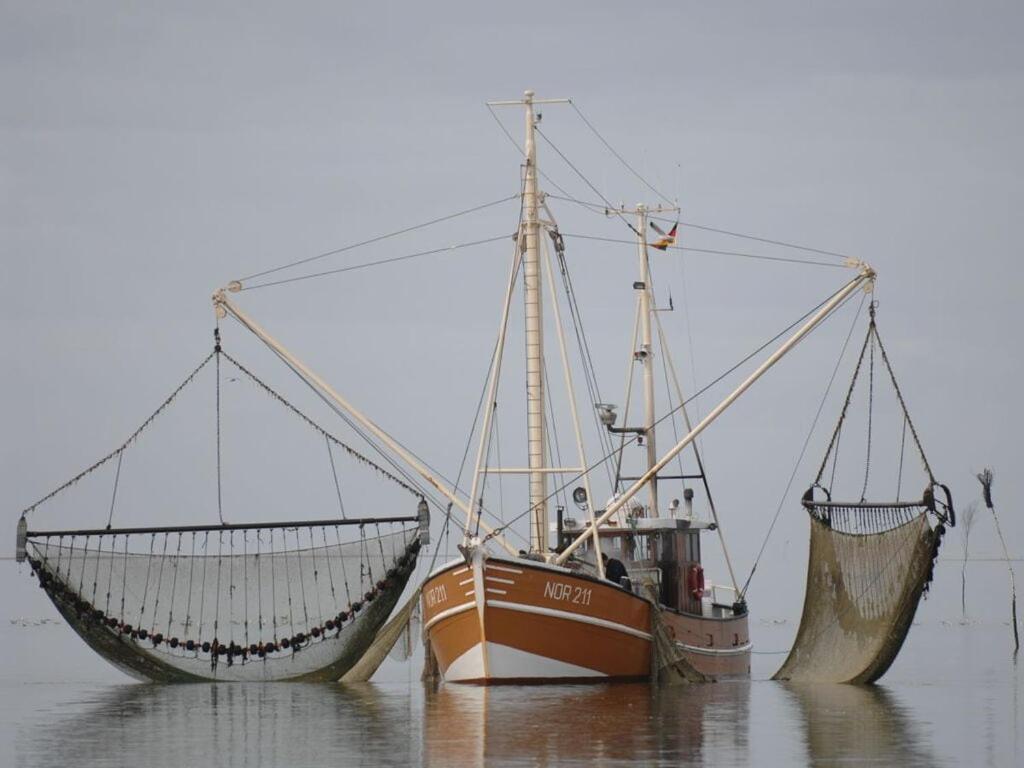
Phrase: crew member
(614, 570)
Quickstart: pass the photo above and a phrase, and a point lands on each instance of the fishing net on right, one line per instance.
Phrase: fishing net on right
(869, 564)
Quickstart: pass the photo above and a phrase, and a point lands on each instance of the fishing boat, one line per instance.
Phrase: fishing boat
(556, 611)
(597, 591)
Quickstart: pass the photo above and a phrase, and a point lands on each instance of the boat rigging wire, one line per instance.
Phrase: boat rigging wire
(620, 158)
(583, 346)
(469, 442)
(334, 473)
(713, 252)
(377, 263)
(412, 483)
(515, 144)
(113, 496)
(120, 449)
(769, 241)
(601, 208)
(807, 442)
(316, 427)
(378, 238)
(667, 366)
(217, 354)
(670, 413)
(419, 489)
(609, 207)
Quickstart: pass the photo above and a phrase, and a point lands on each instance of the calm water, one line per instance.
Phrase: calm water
(953, 698)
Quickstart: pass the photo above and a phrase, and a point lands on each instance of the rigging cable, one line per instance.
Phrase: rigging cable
(113, 496)
(216, 350)
(465, 453)
(552, 433)
(714, 252)
(903, 445)
(337, 485)
(378, 238)
(697, 449)
(628, 394)
(609, 207)
(668, 397)
(689, 337)
(377, 263)
(409, 480)
(620, 158)
(803, 450)
(587, 360)
(690, 399)
(755, 238)
(515, 144)
(120, 449)
(600, 207)
(492, 381)
(327, 435)
(465, 456)
(871, 410)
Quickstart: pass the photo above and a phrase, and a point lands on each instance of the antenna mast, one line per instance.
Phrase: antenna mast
(646, 354)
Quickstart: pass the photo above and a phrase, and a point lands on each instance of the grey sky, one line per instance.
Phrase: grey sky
(150, 153)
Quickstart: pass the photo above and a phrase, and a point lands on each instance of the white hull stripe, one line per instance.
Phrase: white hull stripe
(577, 617)
(740, 649)
(496, 591)
(492, 567)
(448, 612)
(500, 581)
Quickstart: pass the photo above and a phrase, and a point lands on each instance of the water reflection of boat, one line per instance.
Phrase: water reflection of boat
(528, 725)
(865, 724)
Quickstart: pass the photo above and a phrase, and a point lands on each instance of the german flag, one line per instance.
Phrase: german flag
(666, 239)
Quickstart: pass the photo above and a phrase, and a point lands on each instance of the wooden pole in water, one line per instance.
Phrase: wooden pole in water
(985, 477)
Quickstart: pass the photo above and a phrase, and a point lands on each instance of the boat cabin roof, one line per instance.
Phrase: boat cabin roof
(641, 525)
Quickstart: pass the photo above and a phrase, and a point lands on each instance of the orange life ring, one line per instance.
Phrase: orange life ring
(695, 581)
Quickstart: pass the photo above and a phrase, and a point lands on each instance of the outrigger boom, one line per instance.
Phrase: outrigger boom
(865, 278)
(528, 258)
(224, 305)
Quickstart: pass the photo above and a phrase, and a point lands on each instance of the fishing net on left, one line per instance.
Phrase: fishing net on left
(238, 603)
(295, 600)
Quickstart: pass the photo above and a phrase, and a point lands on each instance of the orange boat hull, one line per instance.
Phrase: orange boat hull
(522, 621)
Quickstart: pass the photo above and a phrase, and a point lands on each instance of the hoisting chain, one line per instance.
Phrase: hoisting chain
(871, 410)
(846, 406)
(873, 338)
(903, 446)
(116, 453)
(113, 496)
(348, 449)
(903, 406)
(217, 354)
